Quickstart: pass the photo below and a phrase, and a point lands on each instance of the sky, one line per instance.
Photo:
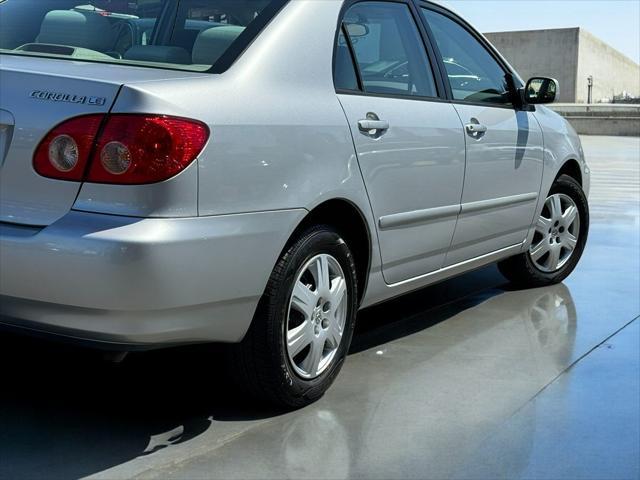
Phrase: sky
(617, 22)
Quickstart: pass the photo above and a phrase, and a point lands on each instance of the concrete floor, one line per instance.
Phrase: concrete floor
(466, 379)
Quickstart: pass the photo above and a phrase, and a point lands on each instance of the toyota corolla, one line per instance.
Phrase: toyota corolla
(254, 172)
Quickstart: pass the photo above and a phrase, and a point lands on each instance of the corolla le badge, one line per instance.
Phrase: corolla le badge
(67, 97)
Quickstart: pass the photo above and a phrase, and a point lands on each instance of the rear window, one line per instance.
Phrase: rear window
(197, 35)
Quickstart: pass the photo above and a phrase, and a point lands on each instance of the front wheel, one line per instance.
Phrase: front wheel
(560, 236)
(302, 330)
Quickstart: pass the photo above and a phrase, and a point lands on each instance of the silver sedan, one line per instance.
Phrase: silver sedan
(255, 172)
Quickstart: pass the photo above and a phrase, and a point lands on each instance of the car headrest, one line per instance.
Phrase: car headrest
(157, 53)
(213, 42)
(77, 29)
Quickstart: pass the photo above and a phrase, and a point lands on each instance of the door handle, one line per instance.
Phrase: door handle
(372, 126)
(475, 128)
(368, 125)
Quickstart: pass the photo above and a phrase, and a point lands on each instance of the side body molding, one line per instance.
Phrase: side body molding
(407, 219)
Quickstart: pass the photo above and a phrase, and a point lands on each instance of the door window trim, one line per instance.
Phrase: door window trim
(432, 59)
(436, 63)
(342, 29)
(420, 4)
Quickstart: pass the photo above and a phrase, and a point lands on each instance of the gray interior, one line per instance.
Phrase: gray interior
(196, 33)
(212, 43)
(79, 29)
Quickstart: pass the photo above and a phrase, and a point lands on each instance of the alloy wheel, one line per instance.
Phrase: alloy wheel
(316, 316)
(556, 233)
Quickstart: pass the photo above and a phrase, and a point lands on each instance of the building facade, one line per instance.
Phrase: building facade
(586, 68)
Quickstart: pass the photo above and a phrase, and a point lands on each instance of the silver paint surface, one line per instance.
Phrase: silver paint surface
(141, 280)
(418, 164)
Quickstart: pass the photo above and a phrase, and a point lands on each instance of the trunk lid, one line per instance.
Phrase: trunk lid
(36, 94)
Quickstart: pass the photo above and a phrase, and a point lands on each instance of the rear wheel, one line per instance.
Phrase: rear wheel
(302, 330)
(559, 239)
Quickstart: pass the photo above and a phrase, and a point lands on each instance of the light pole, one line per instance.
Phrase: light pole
(589, 88)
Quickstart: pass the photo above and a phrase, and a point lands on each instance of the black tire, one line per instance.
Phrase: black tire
(522, 271)
(260, 362)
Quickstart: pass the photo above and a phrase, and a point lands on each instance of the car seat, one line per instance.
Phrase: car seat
(77, 29)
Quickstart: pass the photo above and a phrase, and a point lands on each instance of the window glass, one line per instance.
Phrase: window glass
(189, 34)
(344, 76)
(474, 75)
(389, 50)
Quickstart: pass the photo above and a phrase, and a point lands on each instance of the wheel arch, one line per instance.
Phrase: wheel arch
(351, 223)
(571, 167)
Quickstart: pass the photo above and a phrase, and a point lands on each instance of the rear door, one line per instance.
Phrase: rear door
(410, 143)
(504, 144)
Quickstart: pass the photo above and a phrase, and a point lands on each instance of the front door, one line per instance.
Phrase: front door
(410, 145)
(504, 145)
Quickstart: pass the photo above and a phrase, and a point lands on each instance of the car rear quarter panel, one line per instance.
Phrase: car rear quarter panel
(279, 137)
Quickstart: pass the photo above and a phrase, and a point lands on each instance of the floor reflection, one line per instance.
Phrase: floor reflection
(417, 403)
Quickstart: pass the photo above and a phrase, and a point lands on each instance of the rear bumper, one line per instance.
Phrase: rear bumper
(140, 282)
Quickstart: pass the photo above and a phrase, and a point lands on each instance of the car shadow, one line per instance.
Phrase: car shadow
(65, 412)
(425, 308)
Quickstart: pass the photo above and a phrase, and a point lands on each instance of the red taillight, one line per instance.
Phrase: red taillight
(135, 149)
(129, 150)
(54, 155)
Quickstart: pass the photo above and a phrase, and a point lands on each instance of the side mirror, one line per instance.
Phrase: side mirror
(541, 90)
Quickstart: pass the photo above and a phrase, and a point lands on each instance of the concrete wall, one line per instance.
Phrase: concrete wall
(613, 73)
(570, 55)
(550, 53)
